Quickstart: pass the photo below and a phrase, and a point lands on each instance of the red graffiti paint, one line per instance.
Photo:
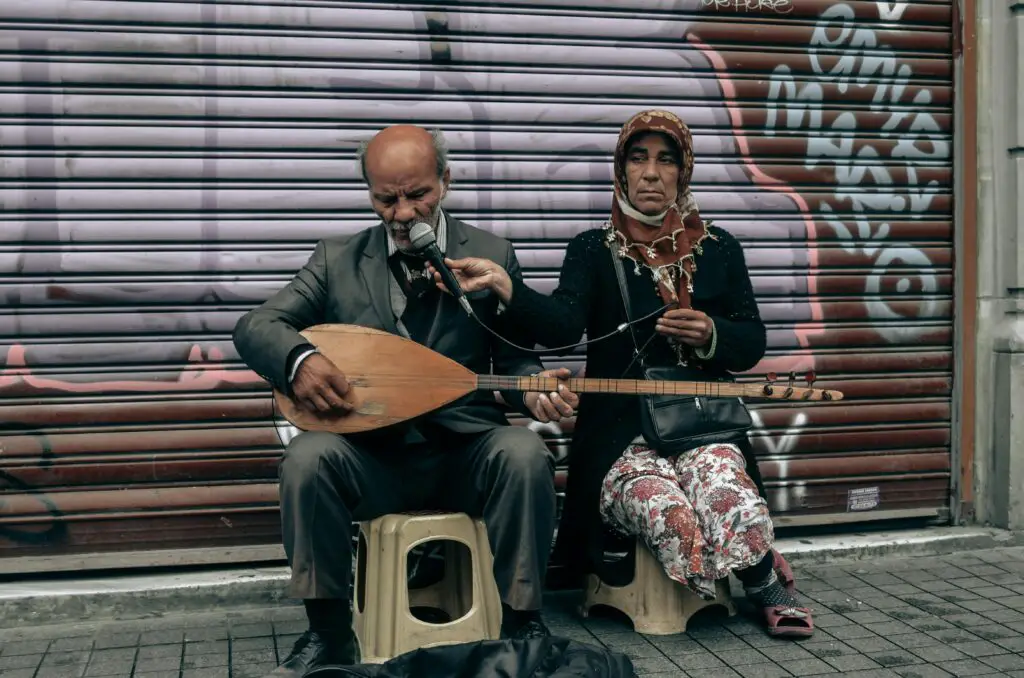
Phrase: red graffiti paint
(198, 375)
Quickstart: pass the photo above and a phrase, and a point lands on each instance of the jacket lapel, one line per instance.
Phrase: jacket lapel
(373, 269)
(458, 236)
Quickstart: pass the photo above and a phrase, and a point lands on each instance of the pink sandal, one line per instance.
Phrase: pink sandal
(784, 621)
(783, 571)
(789, 622)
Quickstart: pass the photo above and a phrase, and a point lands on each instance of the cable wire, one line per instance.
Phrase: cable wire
(558, 349)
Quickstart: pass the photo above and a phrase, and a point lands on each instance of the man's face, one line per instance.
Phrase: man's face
(652, 173)
(404, 186)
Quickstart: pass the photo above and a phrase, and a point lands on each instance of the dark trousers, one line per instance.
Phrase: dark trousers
(504, 475)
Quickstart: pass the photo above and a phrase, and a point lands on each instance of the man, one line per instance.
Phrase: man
(464, 457)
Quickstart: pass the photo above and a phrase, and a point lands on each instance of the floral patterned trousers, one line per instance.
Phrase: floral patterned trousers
(699, 512)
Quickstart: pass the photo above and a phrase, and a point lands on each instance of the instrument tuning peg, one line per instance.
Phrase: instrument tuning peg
(789, 389)
(810, 382)
(770, 379)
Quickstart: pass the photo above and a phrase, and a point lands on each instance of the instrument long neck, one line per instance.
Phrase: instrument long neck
(624, 386)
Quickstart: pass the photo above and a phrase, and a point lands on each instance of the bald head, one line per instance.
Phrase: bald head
(406, 170)
(404, 140)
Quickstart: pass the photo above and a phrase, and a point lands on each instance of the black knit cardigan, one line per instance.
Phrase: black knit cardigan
(587, 300)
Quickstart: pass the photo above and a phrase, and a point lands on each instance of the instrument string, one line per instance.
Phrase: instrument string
(598, 385)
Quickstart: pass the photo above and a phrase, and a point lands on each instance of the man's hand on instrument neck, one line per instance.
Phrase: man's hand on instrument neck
(553, 406)
(319, 386)
(476, 274)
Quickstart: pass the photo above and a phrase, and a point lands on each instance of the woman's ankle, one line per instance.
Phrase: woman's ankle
(770, 593)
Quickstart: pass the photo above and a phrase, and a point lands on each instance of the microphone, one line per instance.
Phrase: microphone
(424, 242)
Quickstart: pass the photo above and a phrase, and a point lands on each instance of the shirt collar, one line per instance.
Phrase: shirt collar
(441, 233)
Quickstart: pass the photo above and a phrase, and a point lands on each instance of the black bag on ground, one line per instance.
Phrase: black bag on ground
(550, 657)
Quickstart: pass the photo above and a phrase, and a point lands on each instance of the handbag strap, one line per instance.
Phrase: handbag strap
(620, 275)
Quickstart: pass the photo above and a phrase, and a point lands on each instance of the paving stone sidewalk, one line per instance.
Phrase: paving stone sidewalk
(959, 615)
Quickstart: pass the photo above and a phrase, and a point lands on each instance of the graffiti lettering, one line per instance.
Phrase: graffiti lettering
(864, 181)
(57, 529)
(891, 11)
(197, 376)
(791, 494)
(787, 442)
(776, 6)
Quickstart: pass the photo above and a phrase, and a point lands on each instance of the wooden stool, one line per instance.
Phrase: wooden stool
(382, 616)
(657, 605)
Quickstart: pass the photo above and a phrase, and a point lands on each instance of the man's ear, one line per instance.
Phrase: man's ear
(446, 181)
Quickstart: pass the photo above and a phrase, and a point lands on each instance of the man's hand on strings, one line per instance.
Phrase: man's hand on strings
(319, 386)
(474, 274)
(689, 326)
(555, 405)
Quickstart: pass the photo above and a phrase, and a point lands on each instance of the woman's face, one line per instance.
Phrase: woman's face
(652, 172)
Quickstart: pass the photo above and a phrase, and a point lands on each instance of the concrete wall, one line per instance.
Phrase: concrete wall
(999, 470)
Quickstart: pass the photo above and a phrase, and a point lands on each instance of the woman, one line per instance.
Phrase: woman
(701, 512)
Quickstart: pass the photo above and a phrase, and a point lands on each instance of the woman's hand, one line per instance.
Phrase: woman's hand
(689, 326)
(475, 274)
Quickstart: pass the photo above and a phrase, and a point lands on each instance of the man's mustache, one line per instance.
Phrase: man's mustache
(402, 229)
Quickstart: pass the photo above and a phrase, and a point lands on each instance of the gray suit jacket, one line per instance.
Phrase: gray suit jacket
(346, 280)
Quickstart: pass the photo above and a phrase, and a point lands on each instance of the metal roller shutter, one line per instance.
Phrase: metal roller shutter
(168, 165)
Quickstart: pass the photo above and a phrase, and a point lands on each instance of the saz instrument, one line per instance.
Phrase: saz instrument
(393, 379)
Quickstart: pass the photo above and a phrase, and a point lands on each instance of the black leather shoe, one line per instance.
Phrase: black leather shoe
(312, 651)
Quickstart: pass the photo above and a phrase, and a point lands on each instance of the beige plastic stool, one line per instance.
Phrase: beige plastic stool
(657, 605)
(382, 617)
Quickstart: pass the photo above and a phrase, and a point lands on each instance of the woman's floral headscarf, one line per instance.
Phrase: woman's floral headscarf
(664, 243)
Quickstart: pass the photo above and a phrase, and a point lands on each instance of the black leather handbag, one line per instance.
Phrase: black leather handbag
(672, 424)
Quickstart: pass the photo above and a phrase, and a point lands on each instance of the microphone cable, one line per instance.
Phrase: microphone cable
(558, 349)
(424, 241)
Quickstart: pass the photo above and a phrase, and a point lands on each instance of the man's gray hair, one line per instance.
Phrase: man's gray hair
(440, 153)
